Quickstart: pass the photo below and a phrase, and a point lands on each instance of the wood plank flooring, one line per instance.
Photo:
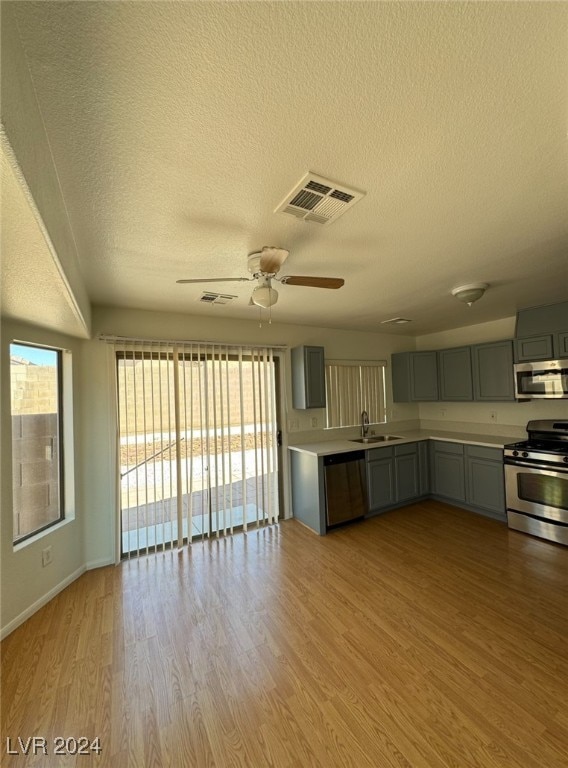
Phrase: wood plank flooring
(426, 637)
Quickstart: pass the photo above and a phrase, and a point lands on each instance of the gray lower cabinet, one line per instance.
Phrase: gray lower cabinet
(308, 490)
(485, 480)
(397, 474)
(424, 467)
(447, 465)
(492, 366)
(469, 474)
(454, 371)
(380, 478)
(414, 376)
(406, 472)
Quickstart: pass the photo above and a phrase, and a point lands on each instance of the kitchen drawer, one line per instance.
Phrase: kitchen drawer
(379, 453)
(482, 452)
(406, 448)
(444, 447)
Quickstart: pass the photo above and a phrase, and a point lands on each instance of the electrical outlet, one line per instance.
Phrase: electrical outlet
(492, 415)
(46, 556)
(443, 412)
(293, 425)
(315, 422)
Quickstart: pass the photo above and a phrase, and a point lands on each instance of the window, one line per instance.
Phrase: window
(351, 388)
(37, 436)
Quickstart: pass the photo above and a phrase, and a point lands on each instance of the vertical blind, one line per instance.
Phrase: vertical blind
(354, 387)
(197, 441)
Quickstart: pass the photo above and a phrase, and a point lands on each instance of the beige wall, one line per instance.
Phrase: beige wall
(25, 583)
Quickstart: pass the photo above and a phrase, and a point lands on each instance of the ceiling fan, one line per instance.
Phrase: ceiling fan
(264, 265)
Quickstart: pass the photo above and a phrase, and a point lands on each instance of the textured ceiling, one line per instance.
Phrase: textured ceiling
(177, 128)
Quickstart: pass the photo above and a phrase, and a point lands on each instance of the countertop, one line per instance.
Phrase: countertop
(328, 447)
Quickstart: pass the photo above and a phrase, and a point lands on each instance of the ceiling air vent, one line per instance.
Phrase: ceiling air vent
(396, 321)
(216, 298)
(318, 200)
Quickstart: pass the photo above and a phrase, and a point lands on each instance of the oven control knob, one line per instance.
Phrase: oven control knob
(515, 453)
(525, 455)
(565, 458)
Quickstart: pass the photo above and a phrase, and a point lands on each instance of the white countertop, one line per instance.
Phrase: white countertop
(327, 447)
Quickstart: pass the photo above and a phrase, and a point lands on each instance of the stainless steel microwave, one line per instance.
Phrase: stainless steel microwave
(541, 380)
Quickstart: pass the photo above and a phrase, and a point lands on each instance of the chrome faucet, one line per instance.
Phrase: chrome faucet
(364, 424)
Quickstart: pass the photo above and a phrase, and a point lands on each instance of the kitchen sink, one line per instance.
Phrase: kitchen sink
(376, 439)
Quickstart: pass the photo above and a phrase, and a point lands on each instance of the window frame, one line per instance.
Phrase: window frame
(18, 541)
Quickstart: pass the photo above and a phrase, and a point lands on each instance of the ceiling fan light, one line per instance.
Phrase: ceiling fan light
(470, 293)
(264, 296)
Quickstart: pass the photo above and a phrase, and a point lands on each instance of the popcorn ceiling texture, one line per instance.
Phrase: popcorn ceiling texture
(176, 128)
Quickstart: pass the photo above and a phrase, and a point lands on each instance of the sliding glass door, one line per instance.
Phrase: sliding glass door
(197, 442)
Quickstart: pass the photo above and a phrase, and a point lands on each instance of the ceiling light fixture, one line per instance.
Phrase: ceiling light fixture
(264, 296)
(470, 293)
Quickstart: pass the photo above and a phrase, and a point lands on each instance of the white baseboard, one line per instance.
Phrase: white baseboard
(12, 625)
(92, 564)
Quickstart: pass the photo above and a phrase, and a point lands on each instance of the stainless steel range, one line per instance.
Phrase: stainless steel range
(536, 481)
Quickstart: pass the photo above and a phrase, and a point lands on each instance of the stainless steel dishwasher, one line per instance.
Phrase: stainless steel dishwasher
(345, 487)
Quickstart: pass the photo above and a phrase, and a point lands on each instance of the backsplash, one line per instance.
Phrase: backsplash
(490, 418)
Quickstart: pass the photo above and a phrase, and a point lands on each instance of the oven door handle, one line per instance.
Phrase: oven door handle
(545, 467)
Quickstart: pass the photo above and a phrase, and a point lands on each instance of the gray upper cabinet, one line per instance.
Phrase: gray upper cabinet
(492, 366)
(537, 321)
(414, 376)
(534, 348)
(542, 333)
(308, 377)
(561, 345)
(549, 346)
(454, 370)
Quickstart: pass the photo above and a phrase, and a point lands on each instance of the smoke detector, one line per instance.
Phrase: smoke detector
(319, 200)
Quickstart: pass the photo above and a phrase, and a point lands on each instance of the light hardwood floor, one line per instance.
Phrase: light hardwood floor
(427, 637)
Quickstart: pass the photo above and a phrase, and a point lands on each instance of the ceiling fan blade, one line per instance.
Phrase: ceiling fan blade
(217, 280)
(313, 282)
(271, 259)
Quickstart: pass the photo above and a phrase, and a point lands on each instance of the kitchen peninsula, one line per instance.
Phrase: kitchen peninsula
(464, 469)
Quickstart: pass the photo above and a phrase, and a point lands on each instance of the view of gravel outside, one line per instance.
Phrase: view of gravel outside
(212, 486)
